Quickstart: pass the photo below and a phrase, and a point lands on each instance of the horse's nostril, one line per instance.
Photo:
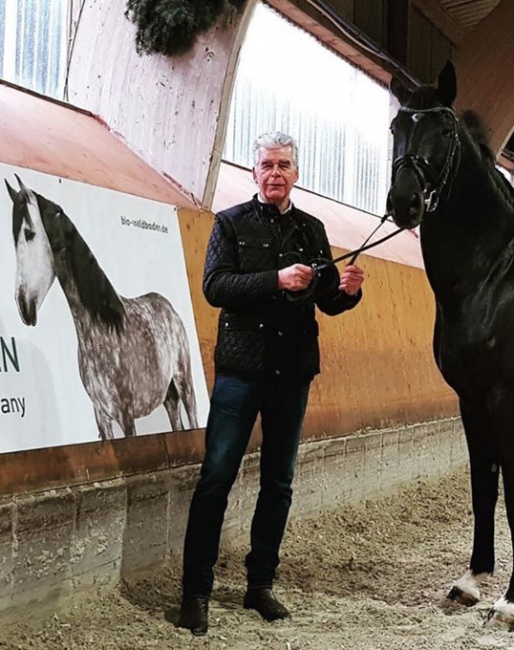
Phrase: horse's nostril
(416, 206)
(408, 209)
(27, 309)
(32, 315)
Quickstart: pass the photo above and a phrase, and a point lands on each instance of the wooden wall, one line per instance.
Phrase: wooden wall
(377, 366)
(484, 64)
(378, 372)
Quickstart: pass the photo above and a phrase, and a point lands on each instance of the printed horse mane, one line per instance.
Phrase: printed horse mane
(72, 253)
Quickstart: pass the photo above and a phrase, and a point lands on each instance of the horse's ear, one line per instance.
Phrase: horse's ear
(447, 85)
(12, 192)
(399, 90)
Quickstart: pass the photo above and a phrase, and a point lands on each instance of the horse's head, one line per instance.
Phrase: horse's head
(425, 147)
(34, 258)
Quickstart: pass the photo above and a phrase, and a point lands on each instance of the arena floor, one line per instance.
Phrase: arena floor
(370, 577)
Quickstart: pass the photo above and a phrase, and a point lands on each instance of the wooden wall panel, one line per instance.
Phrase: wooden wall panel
(419, 46)
(171, 111)
(370, 17)
(484, 63)
(377, 372)
(442, 51)
(377, 365)
(345, 8)
(397, 30)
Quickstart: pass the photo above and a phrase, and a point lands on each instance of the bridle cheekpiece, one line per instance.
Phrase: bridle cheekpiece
(421, 165)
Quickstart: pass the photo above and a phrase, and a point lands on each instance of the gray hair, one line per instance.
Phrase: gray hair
(272, 140)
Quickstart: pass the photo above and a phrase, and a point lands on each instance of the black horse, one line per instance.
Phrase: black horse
(444, 179)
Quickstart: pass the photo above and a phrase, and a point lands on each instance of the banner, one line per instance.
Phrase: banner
(97, 333)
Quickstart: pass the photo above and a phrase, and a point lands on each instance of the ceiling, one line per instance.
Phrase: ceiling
(467, 13)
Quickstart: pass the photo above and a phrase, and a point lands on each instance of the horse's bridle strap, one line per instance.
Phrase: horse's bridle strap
(421, 166)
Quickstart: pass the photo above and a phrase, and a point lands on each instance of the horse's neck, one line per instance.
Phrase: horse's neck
(81, 316)
(90, 295)
(470, 237)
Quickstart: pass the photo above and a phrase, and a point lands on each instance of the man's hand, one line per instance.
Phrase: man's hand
(351, 279)
(295, 278)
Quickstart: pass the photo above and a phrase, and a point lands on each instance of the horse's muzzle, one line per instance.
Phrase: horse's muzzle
(27, 309)
(405, 201)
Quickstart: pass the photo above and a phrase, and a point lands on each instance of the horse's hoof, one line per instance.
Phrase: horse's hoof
(495, 619)
(501, 614)
(456, 594)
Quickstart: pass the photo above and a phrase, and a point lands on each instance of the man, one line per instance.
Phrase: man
(266, 356)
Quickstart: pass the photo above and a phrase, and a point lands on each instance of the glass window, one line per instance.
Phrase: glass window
(33, 40)
(288, 81)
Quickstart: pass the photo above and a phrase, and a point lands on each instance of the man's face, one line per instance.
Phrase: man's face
(275, 174)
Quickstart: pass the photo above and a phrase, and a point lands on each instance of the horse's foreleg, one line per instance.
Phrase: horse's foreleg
(502, 611)
(128, 424)
(484, 466)
(190, 406)
(184, 382)
(466, 590)
(104, 424)
(172, 406)
(129, 429)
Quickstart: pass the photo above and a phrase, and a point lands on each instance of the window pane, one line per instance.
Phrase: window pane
(33, 37)
(288, 81)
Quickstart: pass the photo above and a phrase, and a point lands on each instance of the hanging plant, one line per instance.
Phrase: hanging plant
(171, 26)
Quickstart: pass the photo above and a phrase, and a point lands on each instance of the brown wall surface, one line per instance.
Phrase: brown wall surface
(377, 364)
(484, 63)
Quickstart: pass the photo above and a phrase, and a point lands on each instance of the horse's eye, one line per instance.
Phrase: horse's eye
(29, 234)
(446, 133)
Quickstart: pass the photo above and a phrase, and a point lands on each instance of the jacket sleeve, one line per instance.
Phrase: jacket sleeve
(334, 302)
(224, 285)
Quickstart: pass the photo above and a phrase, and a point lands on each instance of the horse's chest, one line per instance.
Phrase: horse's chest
(473, 356)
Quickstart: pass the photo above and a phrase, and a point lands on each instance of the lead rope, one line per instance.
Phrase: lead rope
(365, 246)
(319, 263)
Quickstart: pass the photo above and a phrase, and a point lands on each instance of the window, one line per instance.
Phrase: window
(33, 41)
(288, 81)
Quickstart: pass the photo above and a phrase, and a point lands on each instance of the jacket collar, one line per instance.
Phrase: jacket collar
(270, 209)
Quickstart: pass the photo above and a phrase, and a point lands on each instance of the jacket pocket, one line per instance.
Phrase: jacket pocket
(255, 253)
(240, 345)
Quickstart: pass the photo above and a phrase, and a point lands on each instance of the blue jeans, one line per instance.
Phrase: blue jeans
(235, 404)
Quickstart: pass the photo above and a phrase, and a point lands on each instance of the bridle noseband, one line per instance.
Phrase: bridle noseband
(421, 166)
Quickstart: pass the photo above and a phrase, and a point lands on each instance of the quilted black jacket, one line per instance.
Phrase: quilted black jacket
(260, 331)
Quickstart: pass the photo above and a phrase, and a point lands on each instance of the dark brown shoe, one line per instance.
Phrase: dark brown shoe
(263, 601)
(194, 615)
